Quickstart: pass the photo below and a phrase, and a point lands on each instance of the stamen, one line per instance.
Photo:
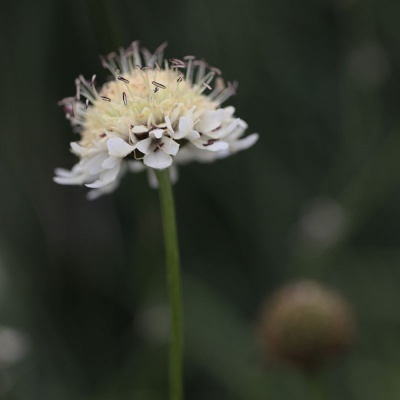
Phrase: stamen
(86, 104)
(210, 142)
(66, 101)
(232, 87)
(78, 89)
(216, 70)
(189, 70)
(201, 69)
(124, 98)
(160, 48)
(180, 79)
(207, 86)
(103, 61)
(111, 55)
(159, 147)
(92, 80)
(176, 61)
(105, 98)
(159, 85)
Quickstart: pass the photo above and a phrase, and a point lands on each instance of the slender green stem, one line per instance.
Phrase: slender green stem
(174, 284)
(315, 390)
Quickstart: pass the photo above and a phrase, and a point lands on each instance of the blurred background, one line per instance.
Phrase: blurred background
(83, 312)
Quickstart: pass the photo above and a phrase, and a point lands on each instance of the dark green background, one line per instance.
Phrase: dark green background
(84, 281)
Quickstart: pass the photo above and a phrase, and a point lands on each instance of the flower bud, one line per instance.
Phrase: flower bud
(306, 324)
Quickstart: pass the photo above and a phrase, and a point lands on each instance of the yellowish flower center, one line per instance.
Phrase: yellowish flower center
(142, 97)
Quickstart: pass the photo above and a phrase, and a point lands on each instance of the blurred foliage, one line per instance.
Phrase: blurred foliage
(82, 283)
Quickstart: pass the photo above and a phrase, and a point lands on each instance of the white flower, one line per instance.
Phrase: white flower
(154, 114)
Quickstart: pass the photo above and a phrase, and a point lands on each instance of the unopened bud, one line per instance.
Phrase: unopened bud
(306, 324)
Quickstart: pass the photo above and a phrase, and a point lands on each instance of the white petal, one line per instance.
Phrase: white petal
(140, 129)
(233, 125)
(157, 133)
(209, 121)
(217, 146)
(145, 145)
(158, 160)
(185, 128)
(193, 135)
(173, 173)
(77, 149)
(229, 111)
(185, 125)
(110, 162)
(65, 173)
(170, 146)
(245, 143)
(191, 153)
(110, 174)
(94, 164)
(105, 178)
(152, 177)
(71, 180)
(169, 126)
(136, 166)
(96, 193)
(119, 148)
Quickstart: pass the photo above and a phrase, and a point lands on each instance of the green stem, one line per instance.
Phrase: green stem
(315, 391)
(174, 284)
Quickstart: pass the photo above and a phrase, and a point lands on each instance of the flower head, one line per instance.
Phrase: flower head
(153, 114)
(306, 324)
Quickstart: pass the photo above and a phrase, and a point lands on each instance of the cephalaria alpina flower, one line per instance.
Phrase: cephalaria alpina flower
(153, 114)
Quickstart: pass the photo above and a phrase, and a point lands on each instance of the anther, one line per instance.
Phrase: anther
(180, 79)
(207, 86)
(92, 80)
(176, 61)
(105, 98)
(159, 85)
(216, 70)
(121, 78)
(124, 98)
(86, 104)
